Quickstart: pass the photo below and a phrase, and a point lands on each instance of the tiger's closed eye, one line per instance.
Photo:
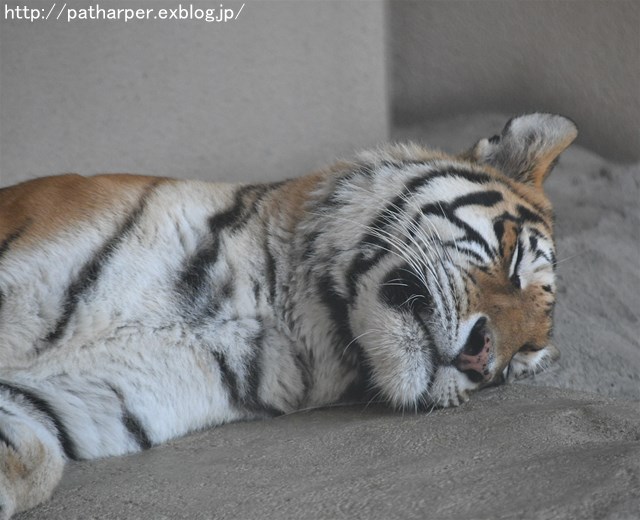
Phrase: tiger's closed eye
(529, 347)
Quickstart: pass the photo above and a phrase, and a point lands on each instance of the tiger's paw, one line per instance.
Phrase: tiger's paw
(7, 500)
(29, 469)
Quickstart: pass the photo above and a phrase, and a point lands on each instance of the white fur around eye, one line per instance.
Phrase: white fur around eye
(533, 266)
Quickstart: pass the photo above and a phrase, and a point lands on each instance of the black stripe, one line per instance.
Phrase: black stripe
(458, 247)
(239, 214)
(477, 198)
(471, 235)
(529, 216)
(305, 366)
(359, 170)
(447, 210)
(6, 243)
(5, 411)
(450, 270)
(338, 310)
(426, 178)
(446, 296)
(361, 265)
(193, 278)
(508, 216)
(131, 422)
(135, 428)
(251, 396)
(537, 234)
(471, 175)
(91, 271)
(270, 268)
(309, 251)
(228, 377)
(4, 439)
(194, 275)
(498, 229)
(45, 408)
(362, 262)
(255, 284)
(518, 252)
(400, 287)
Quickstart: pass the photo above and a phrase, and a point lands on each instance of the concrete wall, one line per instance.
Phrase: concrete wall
(284, 88)
(290, 84)
(579, 58)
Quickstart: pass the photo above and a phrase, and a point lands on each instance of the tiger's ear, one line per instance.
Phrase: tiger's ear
(528, 147)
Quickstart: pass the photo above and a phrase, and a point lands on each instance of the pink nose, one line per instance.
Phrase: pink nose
(474, 357)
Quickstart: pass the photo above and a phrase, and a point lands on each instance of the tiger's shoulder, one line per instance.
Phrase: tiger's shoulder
(46, 205)
(36, 210)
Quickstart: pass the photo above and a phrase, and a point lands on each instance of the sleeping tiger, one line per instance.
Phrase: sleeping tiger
(137, 309)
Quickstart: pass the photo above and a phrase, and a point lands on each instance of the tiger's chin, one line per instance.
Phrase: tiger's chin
(528, 364)
(451, 387)
(446, 386)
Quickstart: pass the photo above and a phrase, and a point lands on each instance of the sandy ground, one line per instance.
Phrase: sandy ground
(512, 452)
(519, 451)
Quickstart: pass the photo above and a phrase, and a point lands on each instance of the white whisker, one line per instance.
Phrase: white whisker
(371, 331)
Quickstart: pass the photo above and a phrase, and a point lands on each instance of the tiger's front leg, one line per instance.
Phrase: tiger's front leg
(100, 404)
(31, 456)
(131, 391)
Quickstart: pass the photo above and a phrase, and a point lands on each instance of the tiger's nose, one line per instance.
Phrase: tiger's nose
(473, 359)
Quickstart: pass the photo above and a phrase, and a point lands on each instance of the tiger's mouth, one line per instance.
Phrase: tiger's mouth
(499, 379)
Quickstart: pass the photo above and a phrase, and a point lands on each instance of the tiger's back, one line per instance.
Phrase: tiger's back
(49, 227)
(136, 309)
(85, 256)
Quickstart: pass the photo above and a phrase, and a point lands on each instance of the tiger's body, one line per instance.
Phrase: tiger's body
(136, 309)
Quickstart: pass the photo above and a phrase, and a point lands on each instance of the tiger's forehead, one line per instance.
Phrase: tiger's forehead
(445, 186)
(438, 196)
(444, 177)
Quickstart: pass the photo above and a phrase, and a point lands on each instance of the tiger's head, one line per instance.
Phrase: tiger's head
(444, 266)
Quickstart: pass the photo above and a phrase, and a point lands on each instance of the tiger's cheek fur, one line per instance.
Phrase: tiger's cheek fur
(396, 348)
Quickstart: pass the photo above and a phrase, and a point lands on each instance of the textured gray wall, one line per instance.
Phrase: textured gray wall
(290, 85)
(284, 88)
(579, 58)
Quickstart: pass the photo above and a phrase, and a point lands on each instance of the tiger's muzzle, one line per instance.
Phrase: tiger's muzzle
(473, 359)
